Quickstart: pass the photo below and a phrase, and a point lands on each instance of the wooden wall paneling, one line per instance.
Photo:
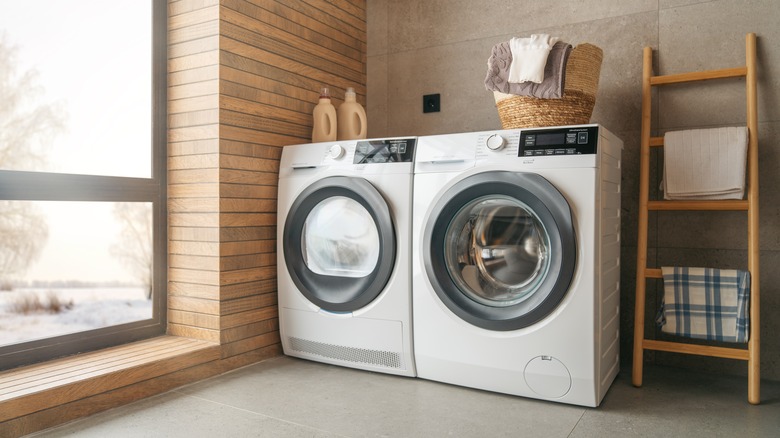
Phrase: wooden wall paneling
(193, 169)
(194, 319)
(194, 297)
(332, 14)
(269, 37)
(257, 345)
(275, 56)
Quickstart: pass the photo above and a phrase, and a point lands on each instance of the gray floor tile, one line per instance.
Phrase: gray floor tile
(358, 403)
(287, 397)
(676, 402)
(178, 415)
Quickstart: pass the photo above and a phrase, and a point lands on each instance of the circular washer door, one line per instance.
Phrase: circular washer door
(500, 249)
(339, 243)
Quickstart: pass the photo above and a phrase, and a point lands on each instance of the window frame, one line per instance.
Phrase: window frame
(45, 186)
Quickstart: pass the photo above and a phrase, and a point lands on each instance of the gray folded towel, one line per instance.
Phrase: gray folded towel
(554, 73)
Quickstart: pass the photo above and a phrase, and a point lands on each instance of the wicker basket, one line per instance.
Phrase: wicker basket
(575, 108)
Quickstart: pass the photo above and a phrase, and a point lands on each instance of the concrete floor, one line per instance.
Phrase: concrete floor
(287, 397)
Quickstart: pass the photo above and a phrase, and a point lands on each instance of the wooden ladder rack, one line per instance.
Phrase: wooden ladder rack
(750, 205)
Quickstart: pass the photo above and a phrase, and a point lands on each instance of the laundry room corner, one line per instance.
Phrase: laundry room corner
(453, 41)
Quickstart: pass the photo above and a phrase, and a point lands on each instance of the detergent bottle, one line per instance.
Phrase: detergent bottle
(351, 118)
(324, 127)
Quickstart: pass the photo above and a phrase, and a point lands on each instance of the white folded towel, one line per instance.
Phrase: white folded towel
(529, 56)
(705, 163)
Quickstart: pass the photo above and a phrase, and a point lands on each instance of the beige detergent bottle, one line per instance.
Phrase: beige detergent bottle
(324, 127)
(351, 118)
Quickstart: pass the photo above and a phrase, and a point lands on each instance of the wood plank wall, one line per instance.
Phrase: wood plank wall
(244, 76)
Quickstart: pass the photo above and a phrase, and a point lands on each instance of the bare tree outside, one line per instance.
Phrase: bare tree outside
(135, 244)
(23, 234)
(27, 127)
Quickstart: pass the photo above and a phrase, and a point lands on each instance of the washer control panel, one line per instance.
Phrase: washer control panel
(558, 141)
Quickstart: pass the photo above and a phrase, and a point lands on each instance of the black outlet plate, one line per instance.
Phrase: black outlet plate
(431, 103)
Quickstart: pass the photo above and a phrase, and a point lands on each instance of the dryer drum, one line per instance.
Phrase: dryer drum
(334, 275)
(500, 249)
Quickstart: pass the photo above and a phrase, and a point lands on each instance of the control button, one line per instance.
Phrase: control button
(336, 151)
(571, 138)
(560, 152)
(495, 142)
(571, 151)
(582, 138)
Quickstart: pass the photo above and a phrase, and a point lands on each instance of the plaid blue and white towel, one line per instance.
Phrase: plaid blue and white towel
(705, 303)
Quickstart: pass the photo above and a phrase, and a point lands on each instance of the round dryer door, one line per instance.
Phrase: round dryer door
(500, 249)
(339, 243)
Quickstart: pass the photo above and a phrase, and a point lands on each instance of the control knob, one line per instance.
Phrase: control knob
(495, 142)
(336, 151)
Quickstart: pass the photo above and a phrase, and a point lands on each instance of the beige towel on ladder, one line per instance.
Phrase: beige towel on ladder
(705, 163)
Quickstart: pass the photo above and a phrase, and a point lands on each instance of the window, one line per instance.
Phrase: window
(82, 176)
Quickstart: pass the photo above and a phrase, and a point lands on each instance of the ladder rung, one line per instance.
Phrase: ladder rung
(653, 273)
(699, 76)
(714, 205)
(656, 141)
(702, 350)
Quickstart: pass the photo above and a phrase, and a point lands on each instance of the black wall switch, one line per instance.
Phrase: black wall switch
(431, 103)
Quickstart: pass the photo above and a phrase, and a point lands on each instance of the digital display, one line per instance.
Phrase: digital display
(555, 139)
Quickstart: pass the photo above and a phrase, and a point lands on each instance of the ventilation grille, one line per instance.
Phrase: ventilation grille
(387, 359)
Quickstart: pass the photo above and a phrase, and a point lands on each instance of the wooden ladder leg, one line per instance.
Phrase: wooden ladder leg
(754, 356)
(644, 189)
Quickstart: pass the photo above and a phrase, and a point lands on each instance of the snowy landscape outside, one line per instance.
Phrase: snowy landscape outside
(92, 268)
(90, 308)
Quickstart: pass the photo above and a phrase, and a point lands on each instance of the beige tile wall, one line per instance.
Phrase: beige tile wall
(441, 46)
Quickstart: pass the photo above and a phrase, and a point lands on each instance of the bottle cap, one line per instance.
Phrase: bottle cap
(324, 93)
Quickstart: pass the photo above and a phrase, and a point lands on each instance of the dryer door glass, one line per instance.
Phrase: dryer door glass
(496, 250)
(339, 243)
(340, 239)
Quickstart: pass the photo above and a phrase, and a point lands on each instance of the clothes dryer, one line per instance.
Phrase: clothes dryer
(344, 258)
(516, 261)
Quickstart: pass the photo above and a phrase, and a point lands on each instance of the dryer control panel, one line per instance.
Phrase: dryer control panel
(396, 150)
(558, 141)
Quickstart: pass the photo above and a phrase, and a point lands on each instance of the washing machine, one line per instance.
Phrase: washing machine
(344, 255)
(516, 261)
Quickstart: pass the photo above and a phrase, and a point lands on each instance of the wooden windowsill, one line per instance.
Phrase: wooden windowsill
(27, 393)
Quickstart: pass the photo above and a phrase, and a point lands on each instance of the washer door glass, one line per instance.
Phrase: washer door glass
(340, 239)
(497, 250)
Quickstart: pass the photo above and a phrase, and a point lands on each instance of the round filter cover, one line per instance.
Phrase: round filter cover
(547, 376)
